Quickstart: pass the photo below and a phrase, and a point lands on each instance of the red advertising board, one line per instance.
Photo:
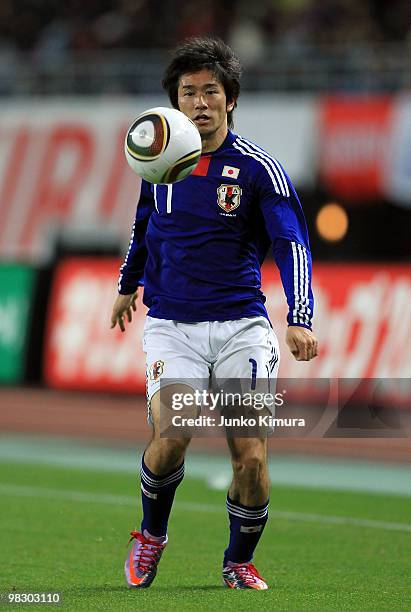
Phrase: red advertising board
(354, 145)
(362, 320)
(82, 352)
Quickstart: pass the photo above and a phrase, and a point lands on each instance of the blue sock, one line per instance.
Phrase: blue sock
(157, 494)
(246, 526)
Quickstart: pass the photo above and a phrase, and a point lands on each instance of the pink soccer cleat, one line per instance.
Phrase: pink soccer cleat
(141, 564)
(243, 576)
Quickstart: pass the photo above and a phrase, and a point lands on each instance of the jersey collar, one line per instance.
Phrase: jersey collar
(227, 142)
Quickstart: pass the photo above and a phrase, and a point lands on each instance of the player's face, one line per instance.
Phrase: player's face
(202, 98)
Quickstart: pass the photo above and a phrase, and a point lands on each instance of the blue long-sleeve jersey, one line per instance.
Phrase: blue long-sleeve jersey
(197, 246)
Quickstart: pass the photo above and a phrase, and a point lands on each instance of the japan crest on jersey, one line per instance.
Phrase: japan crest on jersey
(228, 197)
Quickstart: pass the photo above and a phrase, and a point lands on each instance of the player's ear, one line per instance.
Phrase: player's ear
(230, 106)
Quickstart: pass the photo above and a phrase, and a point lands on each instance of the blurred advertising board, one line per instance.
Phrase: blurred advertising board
(354, 139)
(16, 291)
(363, 323)
(82, 352)
(365, 147)
(63, 175)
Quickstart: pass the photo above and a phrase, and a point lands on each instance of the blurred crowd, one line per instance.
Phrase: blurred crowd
(56, 26)
(119, 46)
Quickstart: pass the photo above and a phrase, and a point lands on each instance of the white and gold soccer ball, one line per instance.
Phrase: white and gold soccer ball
(162, 145)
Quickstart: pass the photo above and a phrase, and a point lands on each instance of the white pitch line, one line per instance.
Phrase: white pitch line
(127, 500)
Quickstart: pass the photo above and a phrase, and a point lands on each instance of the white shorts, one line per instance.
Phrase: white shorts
(200, 354)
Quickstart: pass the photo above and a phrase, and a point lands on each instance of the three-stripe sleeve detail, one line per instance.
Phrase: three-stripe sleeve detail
(274, 170)
(301, 313)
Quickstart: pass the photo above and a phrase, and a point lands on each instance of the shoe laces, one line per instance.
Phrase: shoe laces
(247, 572)
(147, 553)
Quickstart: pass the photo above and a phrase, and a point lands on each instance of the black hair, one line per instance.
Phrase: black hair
(196, 54)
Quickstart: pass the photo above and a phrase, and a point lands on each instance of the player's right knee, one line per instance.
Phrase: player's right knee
(171, 445)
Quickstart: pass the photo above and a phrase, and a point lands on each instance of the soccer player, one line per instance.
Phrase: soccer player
(197, 247)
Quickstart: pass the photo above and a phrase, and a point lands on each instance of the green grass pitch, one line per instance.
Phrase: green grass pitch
(66, 530)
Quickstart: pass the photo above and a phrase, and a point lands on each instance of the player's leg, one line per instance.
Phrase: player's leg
(175, 366)
(250, 484)
(247, 361)
(162, 467)
(247, 505)
(170, 358)
(162, 470)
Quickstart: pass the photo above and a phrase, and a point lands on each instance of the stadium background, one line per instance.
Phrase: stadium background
(326, 89)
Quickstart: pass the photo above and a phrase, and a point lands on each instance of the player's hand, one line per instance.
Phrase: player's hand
(123, 307)
(302, 343)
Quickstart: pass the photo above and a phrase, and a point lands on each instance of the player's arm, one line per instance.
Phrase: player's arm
(287, 228)
(294, 263)
(132, 270)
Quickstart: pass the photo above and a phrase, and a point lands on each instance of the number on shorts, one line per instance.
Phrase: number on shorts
(253, 373)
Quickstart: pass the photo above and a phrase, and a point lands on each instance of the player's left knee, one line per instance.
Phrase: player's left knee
(250, 465)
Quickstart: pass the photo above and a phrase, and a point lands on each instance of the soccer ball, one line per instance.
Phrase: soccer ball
(162, 145)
